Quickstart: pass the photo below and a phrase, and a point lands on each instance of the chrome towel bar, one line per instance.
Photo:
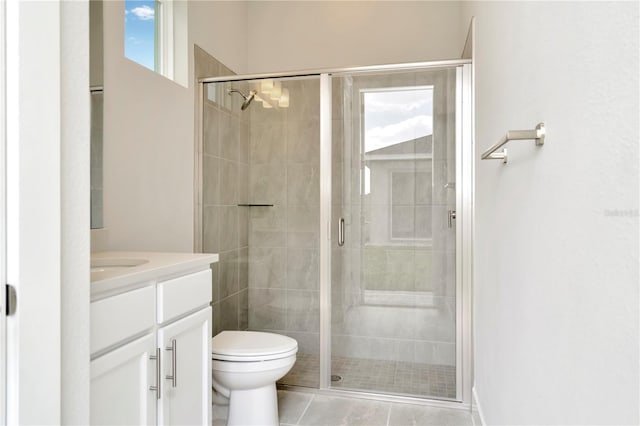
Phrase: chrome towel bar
(537, 134)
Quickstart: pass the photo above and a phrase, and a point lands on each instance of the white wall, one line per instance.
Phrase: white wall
(149, 132)
(220, 28)
(147, 150)
(556, 276)
(75, 181)
(323, 34)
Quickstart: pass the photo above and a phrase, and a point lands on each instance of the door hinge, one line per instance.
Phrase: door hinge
(11, 299)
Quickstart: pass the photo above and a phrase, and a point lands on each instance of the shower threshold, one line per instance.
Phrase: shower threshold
(402, 379)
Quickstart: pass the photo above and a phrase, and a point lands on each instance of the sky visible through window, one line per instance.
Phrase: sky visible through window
(396, 116)
(139, 31)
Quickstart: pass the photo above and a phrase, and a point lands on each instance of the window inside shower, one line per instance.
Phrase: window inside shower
(397, 139)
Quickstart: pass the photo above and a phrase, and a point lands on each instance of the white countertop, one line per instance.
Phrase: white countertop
(110, 282)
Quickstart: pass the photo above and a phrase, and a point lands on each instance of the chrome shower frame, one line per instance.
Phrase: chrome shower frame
(465, 165)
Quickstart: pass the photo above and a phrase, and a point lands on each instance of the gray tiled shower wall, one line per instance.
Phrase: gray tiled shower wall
(267, 277)
(284, 158)
(225, 185)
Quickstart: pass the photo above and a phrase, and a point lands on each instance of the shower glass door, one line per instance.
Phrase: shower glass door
(393, 260)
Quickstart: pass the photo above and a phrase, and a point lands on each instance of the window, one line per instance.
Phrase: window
(395, 116)
(397, 174)
(140, 32)
(411, 205)
(156, 38)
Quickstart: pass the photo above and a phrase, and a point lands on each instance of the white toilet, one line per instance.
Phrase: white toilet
(246, 366)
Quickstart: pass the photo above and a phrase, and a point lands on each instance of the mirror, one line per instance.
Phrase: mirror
(97, 97)
(96, 157)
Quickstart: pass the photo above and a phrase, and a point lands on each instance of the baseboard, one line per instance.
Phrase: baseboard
(477, 408)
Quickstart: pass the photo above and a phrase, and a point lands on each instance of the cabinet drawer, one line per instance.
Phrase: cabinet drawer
(117, 318)
(183, 294)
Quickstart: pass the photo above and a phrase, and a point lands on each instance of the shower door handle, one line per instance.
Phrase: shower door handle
(452, 216)
(341, 232)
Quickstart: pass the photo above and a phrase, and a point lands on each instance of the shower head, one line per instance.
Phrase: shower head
(247, 98)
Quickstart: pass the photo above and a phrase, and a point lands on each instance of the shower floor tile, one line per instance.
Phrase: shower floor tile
(404, 378)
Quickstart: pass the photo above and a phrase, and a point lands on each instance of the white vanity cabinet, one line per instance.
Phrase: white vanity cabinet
(187, 366)
(155, 329)
(122, 371)
(186, 344)
(120, 382)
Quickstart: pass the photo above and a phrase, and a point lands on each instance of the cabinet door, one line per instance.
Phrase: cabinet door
(186, 367)
(120, 382)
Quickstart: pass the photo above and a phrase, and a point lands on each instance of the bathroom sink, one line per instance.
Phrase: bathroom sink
(115, 264)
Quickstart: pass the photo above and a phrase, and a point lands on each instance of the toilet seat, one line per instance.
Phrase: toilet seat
(255, 367)
(251, 346)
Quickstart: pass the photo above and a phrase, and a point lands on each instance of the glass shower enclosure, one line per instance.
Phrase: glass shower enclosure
(339, 204)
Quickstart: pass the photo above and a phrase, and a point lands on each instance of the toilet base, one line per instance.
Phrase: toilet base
(254, 407)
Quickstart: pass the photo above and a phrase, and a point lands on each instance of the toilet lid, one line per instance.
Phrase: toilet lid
(251, 346)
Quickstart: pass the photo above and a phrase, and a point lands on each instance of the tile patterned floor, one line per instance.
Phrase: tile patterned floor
(393, 377)
(305, 372)
(309, 409)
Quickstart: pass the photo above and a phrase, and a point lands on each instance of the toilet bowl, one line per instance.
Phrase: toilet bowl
(245, 368)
